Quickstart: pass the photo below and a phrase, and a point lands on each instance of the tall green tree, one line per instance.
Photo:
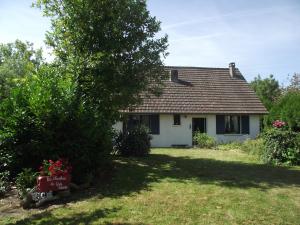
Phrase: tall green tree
(17, 60)
(294, 84)
(111, 47)
(267, 90)
(287, 108)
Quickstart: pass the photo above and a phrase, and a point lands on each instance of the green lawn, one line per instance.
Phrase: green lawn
(184, 186)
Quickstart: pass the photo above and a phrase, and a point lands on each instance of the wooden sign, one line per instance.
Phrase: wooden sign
(53, 183)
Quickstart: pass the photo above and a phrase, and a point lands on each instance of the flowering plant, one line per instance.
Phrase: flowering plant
(278, 124)
(57, 168)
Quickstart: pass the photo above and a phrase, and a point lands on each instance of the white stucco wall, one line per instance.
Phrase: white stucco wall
(182, 134)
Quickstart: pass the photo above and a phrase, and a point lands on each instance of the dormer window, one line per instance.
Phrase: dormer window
(174, 75)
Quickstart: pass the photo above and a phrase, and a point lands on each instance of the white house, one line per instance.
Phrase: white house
(217, 101)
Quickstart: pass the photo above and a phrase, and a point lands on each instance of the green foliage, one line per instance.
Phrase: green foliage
(250, 146)
(107, 54)
(281, 146)
(112, 51)
(4, 182)
(287, 109)
(266, 89)
(134, 142)
(110, 46)
(203, 140)
(25, 181)
(253, 147)
(6, 161)
(17, 60)
(35, 110)
(294, 83)
(41, 120)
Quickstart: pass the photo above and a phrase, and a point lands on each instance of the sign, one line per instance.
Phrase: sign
(53, 183)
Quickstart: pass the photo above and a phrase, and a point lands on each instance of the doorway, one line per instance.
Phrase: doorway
(198, 124)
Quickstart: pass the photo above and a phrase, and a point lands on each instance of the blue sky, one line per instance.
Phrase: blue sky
(261, 37)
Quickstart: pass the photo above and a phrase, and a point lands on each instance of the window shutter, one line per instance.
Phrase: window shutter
(220, 124)
(245, 124)
(154, 124)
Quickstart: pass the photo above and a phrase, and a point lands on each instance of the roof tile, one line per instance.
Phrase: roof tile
(204, 91)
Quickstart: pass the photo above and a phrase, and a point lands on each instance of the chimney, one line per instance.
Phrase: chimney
(174, 75)
(232, 69)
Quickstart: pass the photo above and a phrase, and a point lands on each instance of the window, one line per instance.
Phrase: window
(232, 125)
(176, 119)
(150, 121)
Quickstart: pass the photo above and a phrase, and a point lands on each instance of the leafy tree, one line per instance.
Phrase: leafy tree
(17, 60)
(110, 46)
(294, 83)
(267, 90)
(107, 54)
(287, 109)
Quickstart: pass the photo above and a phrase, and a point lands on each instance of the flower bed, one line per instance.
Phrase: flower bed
(55, 176)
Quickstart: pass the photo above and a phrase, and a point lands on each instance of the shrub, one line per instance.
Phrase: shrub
(43, 119)
(25, 181)
(134, 142)
(6, 161)
(281, 146)
(287, 108)
(203, 140)
(4, 182)
(253, 146)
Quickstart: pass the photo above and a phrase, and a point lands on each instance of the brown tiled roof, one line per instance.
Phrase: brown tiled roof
(204, 91)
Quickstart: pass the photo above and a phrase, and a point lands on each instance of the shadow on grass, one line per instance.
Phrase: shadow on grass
(135, 174)
(47, 218)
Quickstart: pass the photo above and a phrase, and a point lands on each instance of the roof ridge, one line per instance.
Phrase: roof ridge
(198, 67)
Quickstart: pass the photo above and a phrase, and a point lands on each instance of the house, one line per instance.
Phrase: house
(217, 101)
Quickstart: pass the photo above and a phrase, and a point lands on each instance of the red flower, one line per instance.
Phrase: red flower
(57, 168)
(278, 124)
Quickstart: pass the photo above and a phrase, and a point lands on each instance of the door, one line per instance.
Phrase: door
(198, 124)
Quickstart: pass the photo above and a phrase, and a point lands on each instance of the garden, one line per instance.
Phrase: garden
(178, 186)
(61, 162)
(212, 183)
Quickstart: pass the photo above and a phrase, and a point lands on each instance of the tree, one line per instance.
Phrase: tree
(17, 60)
(287, 109)
(110, 46)
(294, 83)
(267, 90)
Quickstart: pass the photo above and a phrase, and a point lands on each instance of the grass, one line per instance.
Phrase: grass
(183, 186)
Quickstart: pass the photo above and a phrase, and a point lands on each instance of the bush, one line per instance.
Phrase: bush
(203, 140)
(25, 181)
(287, 108)
(281, 146)
(42, 119)
(4, 182)
(134, 142)
(253, 147)
(6, 161)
